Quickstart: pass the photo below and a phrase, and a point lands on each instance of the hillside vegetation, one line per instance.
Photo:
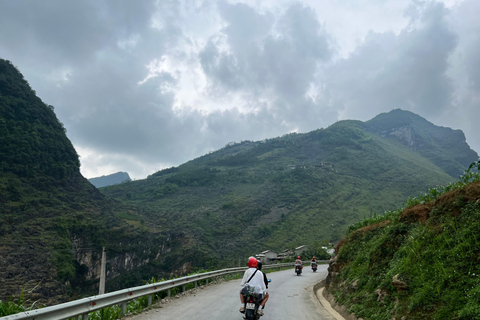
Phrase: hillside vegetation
(210, 212)
(297, 189)
(53, 222)
(418, 262)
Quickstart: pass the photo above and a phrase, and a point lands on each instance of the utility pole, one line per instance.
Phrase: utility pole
(101, 289)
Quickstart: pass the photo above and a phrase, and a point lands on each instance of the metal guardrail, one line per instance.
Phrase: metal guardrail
(84, 306)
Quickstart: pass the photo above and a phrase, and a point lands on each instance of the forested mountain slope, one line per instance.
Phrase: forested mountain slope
(296, 189)
(53, 222)
(211, 211)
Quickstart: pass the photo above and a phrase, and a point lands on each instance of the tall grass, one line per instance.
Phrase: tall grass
(439, 262)
(11, 307)
(472, 174)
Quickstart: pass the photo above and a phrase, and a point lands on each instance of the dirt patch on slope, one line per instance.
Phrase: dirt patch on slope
(418, 213)
(454, 200)
(451, 202)
(360, 232)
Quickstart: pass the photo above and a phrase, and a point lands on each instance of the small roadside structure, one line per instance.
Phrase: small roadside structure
(285, 254)
(299, 250)
(267, 257)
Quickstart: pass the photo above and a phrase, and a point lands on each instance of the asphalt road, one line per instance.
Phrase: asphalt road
(291, 297)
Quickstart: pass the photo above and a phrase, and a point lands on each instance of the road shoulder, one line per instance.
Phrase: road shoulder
(338, 312)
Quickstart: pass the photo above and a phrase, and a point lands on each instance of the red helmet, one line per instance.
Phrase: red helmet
(252, 263)
(298, 257)
(313, 257)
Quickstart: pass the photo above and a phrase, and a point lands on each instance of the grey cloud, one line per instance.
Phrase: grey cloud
(407, 70)
(465, 72)
(469, 46)
(268, 56)
(220, 67)
(245, 27)
(282, 66)
(68, 30)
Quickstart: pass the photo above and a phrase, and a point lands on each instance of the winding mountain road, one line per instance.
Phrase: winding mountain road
(291, 297)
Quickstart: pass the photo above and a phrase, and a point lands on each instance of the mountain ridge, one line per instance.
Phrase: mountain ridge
(426, 138)
(53, 222)
(244, 198)
(283, 183)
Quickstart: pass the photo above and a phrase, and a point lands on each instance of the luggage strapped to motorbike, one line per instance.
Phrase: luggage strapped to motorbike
(247, 289)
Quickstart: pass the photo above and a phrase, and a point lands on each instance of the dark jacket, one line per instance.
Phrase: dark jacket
(265, 279)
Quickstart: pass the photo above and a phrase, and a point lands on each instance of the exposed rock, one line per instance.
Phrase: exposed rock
(399, 284)
(381, 293)
(354, 284)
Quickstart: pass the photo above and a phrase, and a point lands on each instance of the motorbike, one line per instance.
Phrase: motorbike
(253, 298)
(314, 266)
(298, 269)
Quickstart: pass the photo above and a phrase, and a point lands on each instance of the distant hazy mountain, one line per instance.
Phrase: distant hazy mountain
(109, 180)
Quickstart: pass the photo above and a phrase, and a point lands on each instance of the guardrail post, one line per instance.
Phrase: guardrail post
(183, 288)
(124, 309)
(195, 284)
(85, 316)
(150, 300)
(206, 284)
(168, 293)
(101, 287)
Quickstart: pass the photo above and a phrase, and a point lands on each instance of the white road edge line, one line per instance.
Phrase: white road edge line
(327, 304)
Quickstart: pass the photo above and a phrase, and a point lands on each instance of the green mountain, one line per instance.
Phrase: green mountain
(297, 189)
(209, 212)
(111, 179)
(53, 222)
(445, 147)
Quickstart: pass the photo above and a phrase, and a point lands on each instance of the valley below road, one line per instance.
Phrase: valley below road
(291, 297)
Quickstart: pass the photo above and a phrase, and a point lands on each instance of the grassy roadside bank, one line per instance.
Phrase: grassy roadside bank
(418, 262)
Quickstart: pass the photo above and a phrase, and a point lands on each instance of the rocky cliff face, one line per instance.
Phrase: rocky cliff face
(123, 260)
(404, 134)
(445, 147)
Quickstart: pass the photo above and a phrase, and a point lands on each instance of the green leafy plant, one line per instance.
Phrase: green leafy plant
(438, 261)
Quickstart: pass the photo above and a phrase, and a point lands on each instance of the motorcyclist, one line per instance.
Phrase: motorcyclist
(254, 278)
(299, 261)
(313, 262)
(265, 280)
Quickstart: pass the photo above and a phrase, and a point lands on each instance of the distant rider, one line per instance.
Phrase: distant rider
(256, 280)
(299, 261)
(313, 261)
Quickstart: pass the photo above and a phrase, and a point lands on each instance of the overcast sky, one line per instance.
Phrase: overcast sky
(145, 85)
